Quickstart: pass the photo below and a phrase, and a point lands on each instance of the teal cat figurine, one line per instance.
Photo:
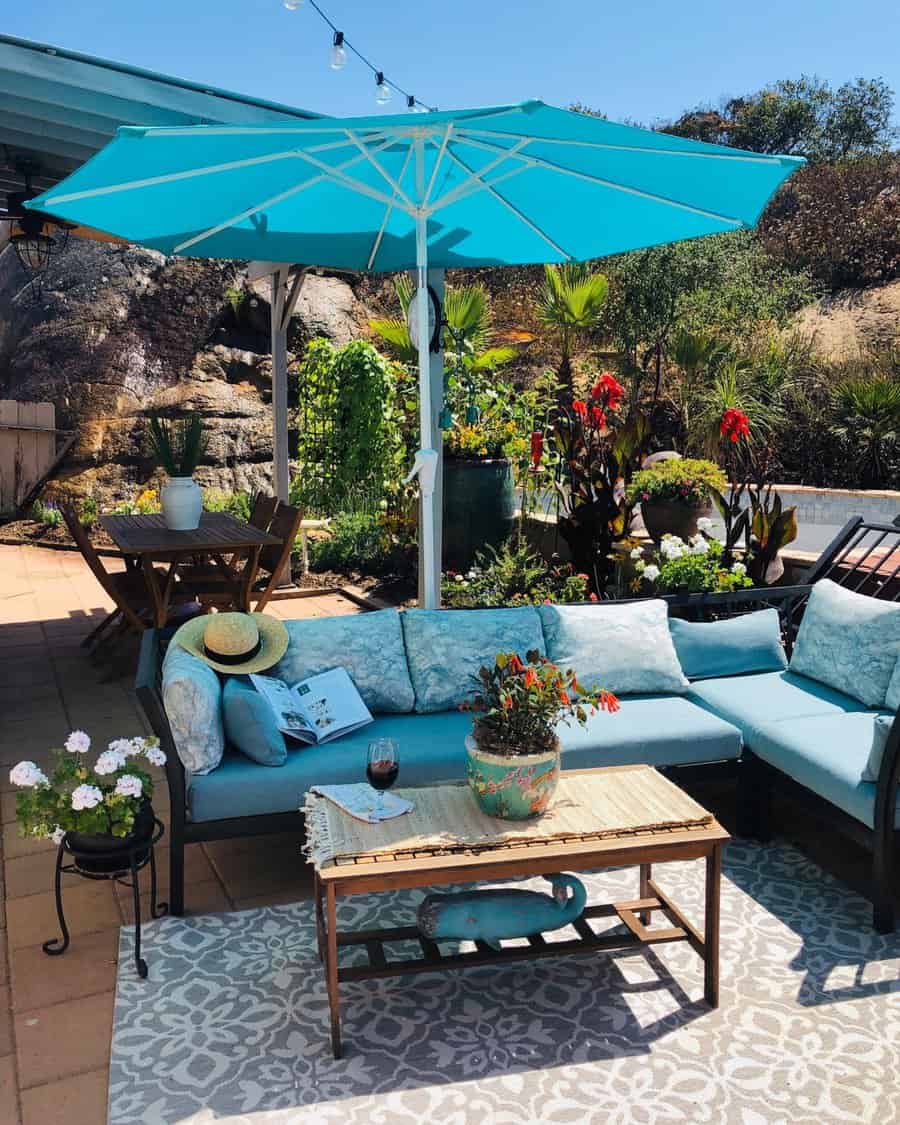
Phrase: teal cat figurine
(489, 916)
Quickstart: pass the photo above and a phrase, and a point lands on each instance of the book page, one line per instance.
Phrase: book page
(283, 701)
(330, 704)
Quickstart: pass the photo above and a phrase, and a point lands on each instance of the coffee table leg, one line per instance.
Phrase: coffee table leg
(331, 971)
(711, 936)
(644, 891)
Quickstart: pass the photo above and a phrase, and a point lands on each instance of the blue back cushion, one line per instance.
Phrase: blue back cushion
(733, 647)
(250, 724)
(446, 647)
(368, 645)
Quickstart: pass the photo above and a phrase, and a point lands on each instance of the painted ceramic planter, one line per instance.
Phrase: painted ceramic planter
(182, 503)
(511, 788)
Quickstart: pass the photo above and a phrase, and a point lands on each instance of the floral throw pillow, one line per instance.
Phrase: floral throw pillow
(848, 641)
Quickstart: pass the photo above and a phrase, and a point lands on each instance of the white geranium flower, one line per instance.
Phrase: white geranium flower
(86, 797)
(136, 746)
(156, 756)
(699, 546)
(78, 742)
(640, 566)
(460, 578)
(637, 552)
(26, 775)
(704, 524)
(57, 835)
(120, 746)
(109, 761)
(651, 573)
(672, 547)
(129, 786)
(739, 569)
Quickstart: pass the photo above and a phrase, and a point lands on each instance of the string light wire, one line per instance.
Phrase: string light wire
(412, 102)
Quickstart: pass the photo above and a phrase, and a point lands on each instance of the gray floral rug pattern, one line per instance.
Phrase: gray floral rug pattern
(232, 1023)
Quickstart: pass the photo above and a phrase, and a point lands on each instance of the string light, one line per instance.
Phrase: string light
(338, 60)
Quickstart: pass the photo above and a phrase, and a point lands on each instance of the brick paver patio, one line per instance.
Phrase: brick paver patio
(56, 1013)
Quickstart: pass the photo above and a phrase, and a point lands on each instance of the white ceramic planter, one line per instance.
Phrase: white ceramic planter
(182, 503)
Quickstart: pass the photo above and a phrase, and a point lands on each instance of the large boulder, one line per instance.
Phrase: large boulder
(118, 332)
(850, 323)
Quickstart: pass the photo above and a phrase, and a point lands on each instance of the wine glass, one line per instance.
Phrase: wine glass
(382, 767)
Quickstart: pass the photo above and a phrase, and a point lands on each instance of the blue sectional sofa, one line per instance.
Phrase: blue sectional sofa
(761, 714)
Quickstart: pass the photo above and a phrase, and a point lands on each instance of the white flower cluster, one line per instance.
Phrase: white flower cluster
(739, 569)
(155, 756)
(129, 786)
(128, 747)
(26, 775)
(78, 742)
(109, 761)
(86, 797)
(651, 572)
(704, 523)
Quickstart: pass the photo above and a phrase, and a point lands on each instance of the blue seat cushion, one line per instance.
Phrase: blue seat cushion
(748, 701)
(827, 754)
(661, 730)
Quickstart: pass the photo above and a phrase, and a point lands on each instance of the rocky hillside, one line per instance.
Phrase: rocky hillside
(118, 332)
(849, 323)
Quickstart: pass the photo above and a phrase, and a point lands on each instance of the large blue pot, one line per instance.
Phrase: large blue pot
(479, 508)
(516, 788)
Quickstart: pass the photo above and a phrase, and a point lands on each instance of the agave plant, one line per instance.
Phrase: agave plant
(177, 445)
(867, 412)
(468, 313)
(571, 302)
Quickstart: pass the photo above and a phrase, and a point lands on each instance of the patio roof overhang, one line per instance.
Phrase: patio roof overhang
(58, 108)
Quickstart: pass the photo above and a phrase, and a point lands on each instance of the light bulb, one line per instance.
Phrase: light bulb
(338, 54)
(292, 5)
(382, 90)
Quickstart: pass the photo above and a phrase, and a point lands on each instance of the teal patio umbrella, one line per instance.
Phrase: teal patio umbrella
(506, 185)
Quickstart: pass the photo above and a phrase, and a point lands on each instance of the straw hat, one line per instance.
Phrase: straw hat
(235, 643)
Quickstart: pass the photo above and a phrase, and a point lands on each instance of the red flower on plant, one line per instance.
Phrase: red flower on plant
(592, 597)
(537, 448)
(608, 702)
(608, 390)
(516, 665)
(735, 425)
(598, 417)
(579, 406)
(530, 678)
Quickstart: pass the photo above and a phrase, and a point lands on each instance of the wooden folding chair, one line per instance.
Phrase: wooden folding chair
(285, 526)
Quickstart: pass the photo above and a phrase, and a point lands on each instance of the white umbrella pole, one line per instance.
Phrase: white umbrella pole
(427, 457)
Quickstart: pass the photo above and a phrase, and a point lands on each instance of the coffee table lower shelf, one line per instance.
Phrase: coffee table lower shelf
(635, 914)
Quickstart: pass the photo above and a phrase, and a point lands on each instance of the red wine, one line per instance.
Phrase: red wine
(382, 774)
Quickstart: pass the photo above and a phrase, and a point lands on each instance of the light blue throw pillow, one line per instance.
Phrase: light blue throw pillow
(735, 646)
(446, 647)
(368, 645)
(849, 641)
(626, 649)
(892, 699)
(192, 696)
(880, 732)
(250, 724)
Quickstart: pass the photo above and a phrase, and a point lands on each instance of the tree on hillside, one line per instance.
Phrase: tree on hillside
(801, 116)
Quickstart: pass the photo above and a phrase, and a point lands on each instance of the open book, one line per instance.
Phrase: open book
(317, 709)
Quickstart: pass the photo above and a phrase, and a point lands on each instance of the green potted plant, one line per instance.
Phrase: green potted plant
(178, 446)
(513, 752)
(101, 811)
(674, 494)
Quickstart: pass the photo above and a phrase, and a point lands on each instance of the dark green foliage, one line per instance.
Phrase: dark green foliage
(841, 222)
(177, 444)
(866, 422)
(513, 574)
(358, 541)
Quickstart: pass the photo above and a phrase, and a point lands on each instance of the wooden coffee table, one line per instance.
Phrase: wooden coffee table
(366, 873)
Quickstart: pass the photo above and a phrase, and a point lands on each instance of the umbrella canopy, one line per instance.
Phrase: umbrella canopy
(507, 185)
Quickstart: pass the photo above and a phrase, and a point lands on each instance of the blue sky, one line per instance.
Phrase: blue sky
(644, 60)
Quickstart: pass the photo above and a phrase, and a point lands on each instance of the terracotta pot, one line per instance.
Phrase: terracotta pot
(512, 787)
(671, 517)
(101, 853)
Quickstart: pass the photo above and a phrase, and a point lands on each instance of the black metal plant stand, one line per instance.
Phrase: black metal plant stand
(135, 859)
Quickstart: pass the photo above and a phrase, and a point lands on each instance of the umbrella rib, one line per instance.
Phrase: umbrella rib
(385, 175)
(750, 157)
(549, 165)
(270, 202)
(476, 181)
(331, 173)
(437, 162)
(376, 245)
(511, 207)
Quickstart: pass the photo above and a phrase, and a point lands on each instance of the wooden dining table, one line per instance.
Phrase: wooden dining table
(230, 543)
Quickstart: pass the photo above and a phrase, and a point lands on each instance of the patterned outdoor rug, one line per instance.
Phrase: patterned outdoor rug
(232, 1024)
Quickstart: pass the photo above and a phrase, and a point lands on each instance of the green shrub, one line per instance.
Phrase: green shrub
(513, 575)
(46, 514)
(237, 504)
(88, 512)
(687, 480)
(358, 541)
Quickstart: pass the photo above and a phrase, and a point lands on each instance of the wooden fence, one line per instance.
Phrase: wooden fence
(29, 450)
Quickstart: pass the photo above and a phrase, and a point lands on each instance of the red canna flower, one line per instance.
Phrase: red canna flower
(580, 408)
(608, 390)
(598, 417)
(537, 448)
(735, 425)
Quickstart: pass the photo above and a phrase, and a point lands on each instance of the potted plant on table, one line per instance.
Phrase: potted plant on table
(101, 811)
(674, 494)
(513, 752)
(178, 447)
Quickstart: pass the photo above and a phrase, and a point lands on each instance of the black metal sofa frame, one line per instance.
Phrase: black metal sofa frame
(847, 560)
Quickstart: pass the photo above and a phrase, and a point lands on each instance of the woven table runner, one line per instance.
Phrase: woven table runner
(590, 805)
